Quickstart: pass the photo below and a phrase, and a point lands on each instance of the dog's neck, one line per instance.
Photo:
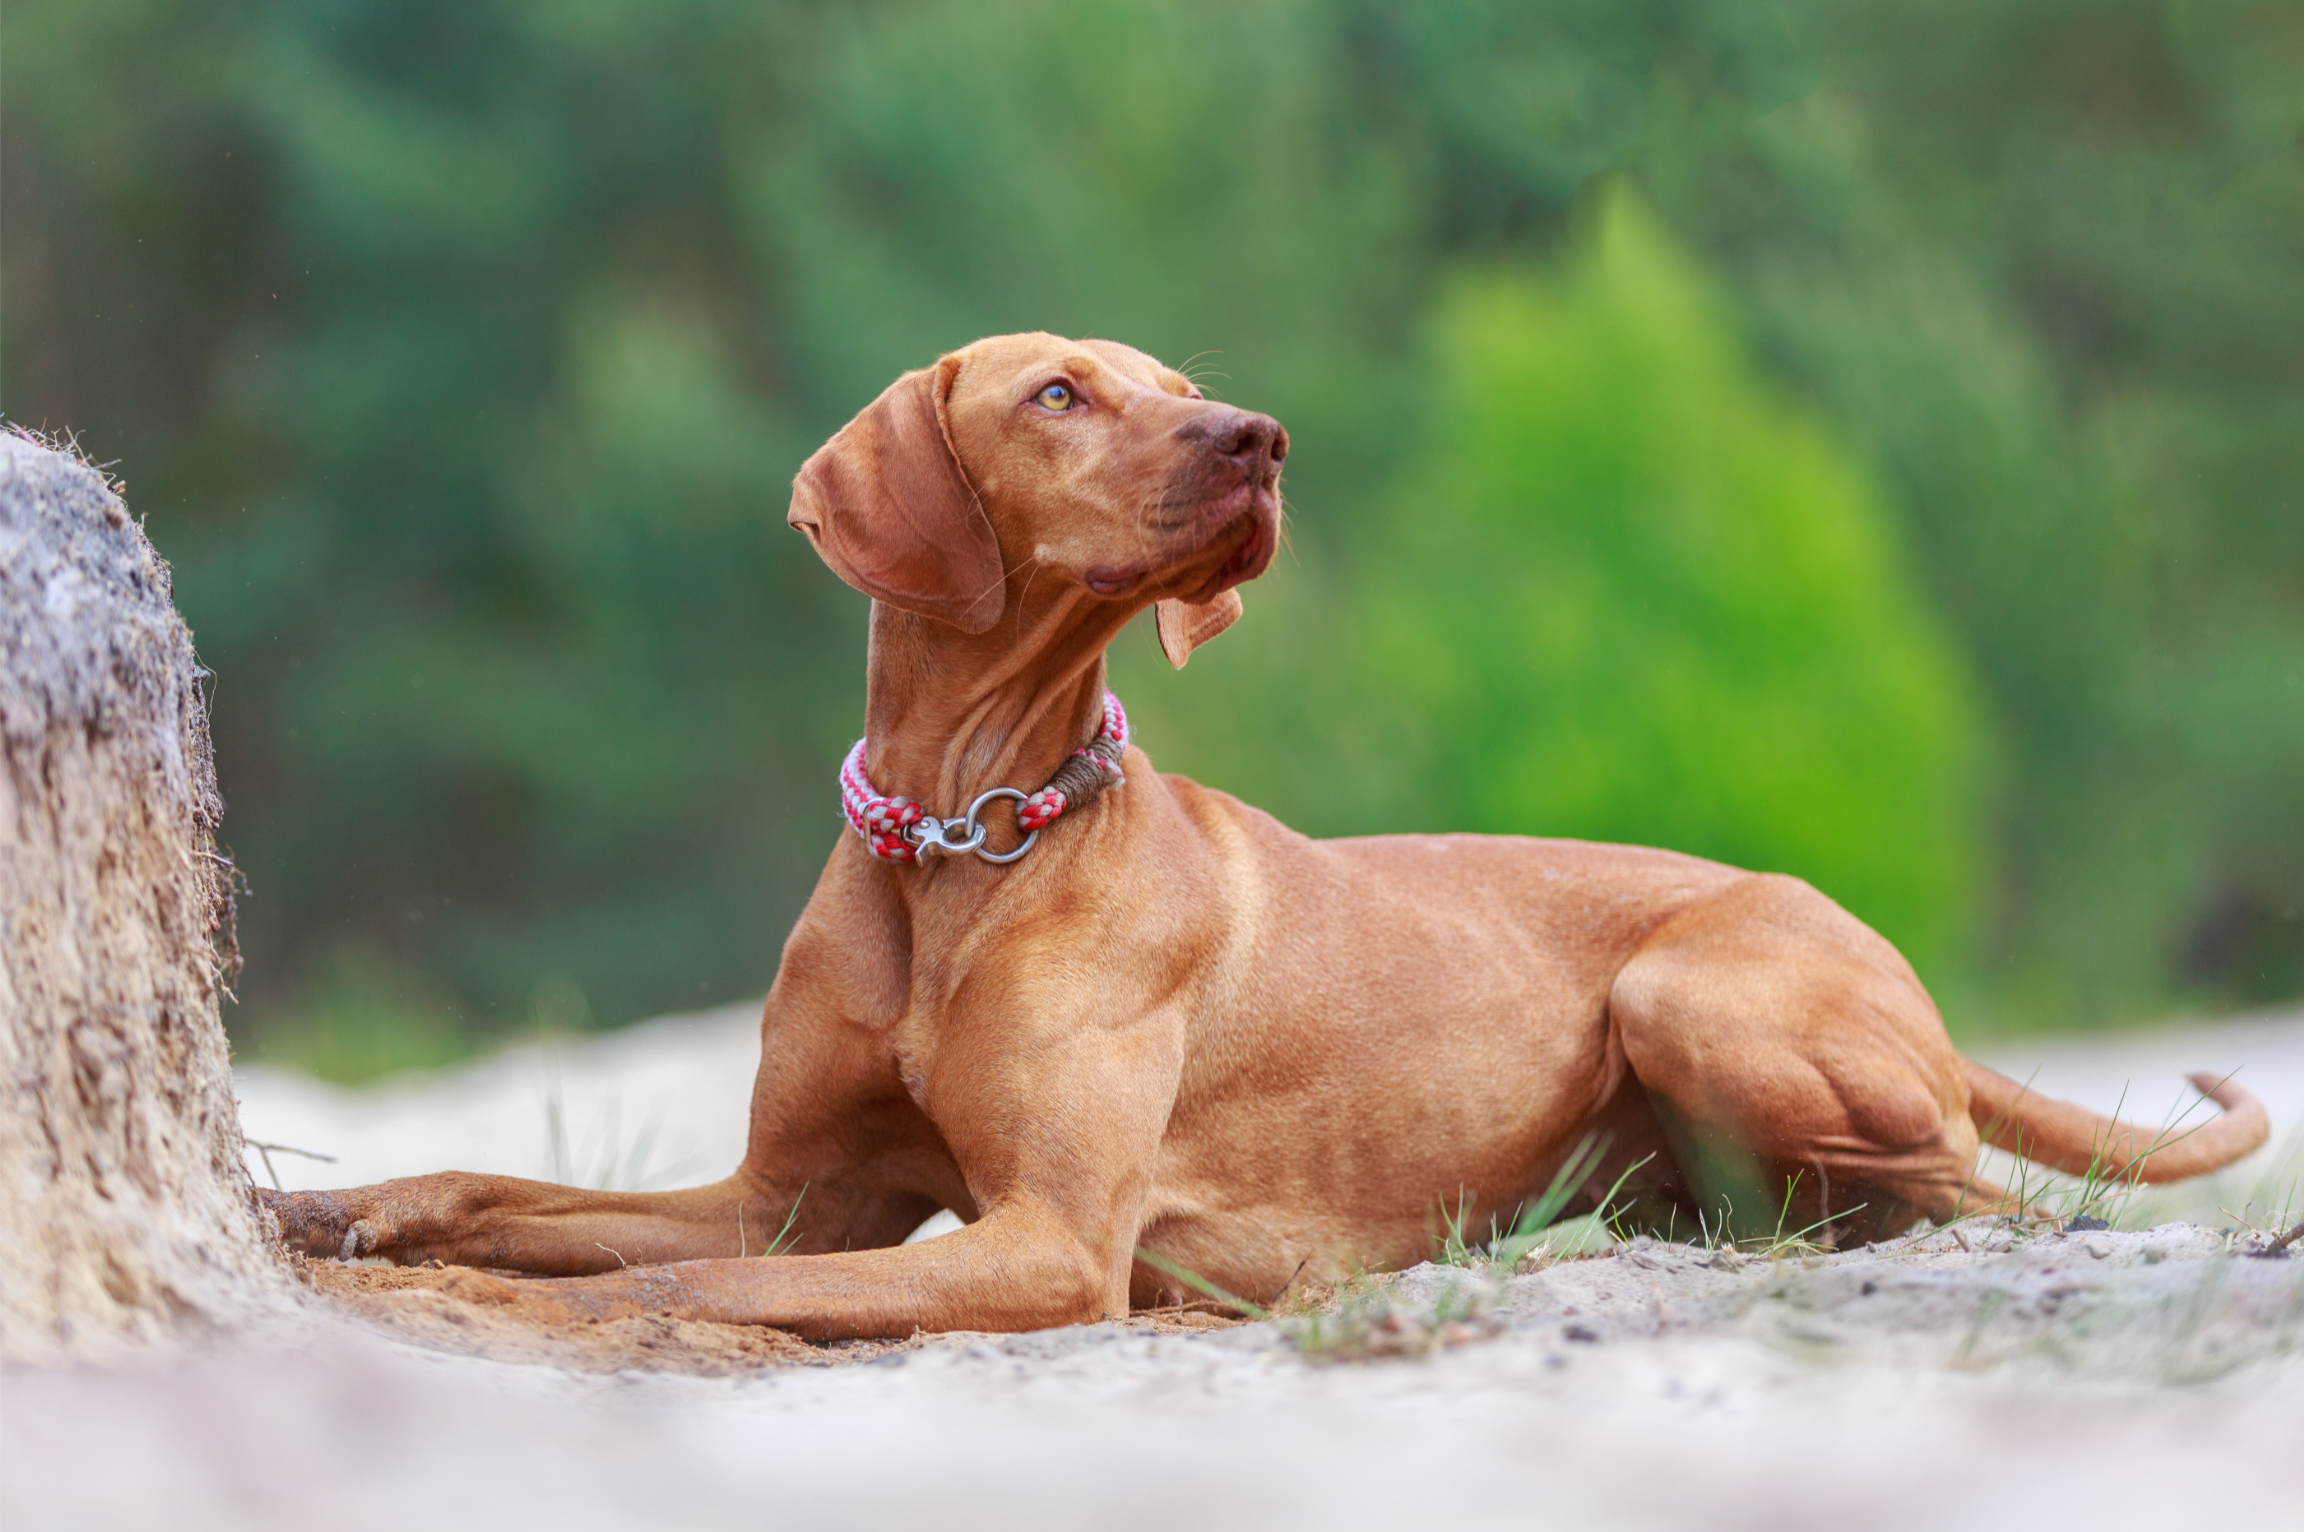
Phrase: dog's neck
(949, 714)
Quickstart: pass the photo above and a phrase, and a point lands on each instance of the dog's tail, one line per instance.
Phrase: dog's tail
(2080, 1142)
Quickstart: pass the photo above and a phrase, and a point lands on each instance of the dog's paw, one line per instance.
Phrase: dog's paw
(341, 1225)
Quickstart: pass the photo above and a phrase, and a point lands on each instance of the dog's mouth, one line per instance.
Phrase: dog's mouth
(1255, 552)
(1245, 526)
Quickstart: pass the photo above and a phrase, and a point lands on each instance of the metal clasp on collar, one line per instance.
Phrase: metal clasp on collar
(930, 834)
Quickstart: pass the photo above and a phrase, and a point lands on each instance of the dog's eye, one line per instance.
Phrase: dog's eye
(1056, 397)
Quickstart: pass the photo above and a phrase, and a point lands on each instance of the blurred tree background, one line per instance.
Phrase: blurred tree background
(1853, 439)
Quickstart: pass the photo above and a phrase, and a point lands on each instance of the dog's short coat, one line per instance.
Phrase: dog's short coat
(1179, 1026)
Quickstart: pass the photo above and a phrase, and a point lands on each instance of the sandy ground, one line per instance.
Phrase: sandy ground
(2117, 1378)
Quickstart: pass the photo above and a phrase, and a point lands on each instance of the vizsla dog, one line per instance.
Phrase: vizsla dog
(1174, 1025)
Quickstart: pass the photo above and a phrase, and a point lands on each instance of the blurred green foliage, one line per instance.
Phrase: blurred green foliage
(1625, 593)
(1915, 508)
(1620, 589)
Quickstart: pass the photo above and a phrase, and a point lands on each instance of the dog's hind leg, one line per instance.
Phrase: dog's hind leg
(1802, 1074)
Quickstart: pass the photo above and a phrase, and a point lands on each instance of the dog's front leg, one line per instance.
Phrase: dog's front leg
(1017, 1268)
(807, 1188)
(1056, 1129)
(533, 1226)
(840, 1159)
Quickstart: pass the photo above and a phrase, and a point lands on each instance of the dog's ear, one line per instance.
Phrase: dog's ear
(1186, 625)
(887, 507)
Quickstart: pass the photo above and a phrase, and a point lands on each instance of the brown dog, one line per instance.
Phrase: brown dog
(1177, 1025)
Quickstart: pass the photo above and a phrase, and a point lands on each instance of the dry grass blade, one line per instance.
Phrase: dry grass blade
(265, 1152)
(67, 444)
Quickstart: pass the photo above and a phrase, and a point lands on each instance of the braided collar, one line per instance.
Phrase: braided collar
(899, 830)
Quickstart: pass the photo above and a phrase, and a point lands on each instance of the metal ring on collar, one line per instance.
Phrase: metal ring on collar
(976, 841)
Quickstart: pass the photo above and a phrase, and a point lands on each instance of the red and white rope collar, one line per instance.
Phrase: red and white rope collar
(899, 830)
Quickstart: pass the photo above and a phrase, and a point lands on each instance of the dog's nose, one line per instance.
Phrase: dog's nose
(1250, 441)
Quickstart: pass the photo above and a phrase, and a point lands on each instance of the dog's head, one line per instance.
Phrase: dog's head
(1079, 461)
